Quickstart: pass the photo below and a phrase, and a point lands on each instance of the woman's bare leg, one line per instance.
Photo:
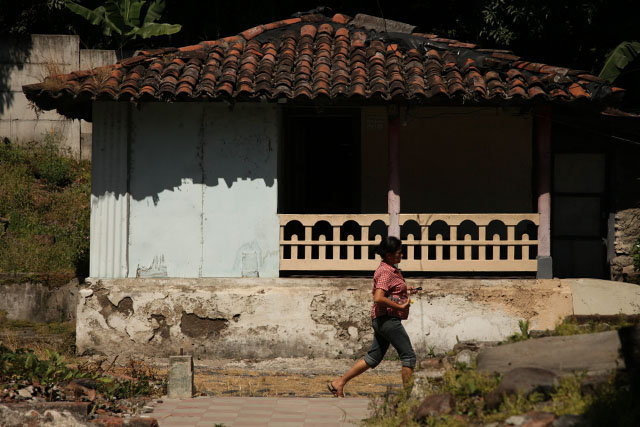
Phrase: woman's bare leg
(359, 367)
(407, 373)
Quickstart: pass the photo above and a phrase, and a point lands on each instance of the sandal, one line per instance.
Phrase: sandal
(334, 390)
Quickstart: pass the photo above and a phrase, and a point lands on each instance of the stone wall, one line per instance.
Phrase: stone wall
(31, 60)
(627, 211)
(265, 318)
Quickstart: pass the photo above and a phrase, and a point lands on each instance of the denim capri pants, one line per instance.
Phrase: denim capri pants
(389, 330)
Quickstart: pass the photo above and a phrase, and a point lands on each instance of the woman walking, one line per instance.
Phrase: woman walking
(390, 306)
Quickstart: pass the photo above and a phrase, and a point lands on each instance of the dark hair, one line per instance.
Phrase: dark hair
(388, 245)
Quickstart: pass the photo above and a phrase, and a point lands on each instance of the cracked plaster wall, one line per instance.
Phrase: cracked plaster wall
(265, 318)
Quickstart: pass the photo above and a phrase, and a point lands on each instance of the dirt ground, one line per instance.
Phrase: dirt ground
(299, 377)
(303, 377)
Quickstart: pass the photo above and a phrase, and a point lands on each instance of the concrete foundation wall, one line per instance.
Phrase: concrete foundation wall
(29, 61)
(262, 318)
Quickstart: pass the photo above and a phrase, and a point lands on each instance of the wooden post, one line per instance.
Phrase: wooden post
(543, 142)
(393, 195)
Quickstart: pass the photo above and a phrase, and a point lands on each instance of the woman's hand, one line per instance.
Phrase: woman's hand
(405, 305)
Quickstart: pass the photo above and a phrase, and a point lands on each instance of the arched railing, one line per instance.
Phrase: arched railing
(434, 242)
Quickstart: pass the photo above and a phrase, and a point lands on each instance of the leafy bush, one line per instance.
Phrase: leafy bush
(23, 364)
(636, 255)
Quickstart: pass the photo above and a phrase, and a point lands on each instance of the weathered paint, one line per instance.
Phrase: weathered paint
(185, 190)
(300, 317)
(109, 197)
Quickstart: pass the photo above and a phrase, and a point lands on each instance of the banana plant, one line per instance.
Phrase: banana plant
(620, 61)
(127, 19)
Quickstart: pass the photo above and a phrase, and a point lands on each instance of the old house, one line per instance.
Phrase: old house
(238, 184)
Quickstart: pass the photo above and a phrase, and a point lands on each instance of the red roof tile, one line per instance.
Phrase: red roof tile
(314, 56)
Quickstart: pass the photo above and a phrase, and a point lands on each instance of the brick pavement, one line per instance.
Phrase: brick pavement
(260, 411)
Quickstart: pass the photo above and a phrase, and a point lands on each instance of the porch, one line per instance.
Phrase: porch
(432, 242)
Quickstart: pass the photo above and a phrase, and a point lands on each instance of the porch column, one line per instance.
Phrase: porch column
(393, 195)
(543, 142)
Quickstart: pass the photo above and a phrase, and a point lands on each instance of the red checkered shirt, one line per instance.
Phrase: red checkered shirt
(389, 279)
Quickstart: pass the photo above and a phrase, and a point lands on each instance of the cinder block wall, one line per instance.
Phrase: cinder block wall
(30, 61)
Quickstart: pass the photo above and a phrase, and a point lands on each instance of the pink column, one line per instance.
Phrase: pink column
(543, 142)
(393, 195)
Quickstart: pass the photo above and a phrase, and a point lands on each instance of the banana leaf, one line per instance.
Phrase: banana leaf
(624, 54)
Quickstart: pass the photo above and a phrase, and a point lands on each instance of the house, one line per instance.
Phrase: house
(261, 165)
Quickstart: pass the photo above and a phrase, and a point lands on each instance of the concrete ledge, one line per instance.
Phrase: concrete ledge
(593, 296)
(291, 317)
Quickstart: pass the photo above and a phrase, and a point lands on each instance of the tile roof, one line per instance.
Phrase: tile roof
(313, 57)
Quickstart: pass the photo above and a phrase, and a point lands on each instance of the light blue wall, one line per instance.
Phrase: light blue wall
(240, 202)
(202, 189)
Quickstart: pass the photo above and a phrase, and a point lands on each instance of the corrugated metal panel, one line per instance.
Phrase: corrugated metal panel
(109, 198)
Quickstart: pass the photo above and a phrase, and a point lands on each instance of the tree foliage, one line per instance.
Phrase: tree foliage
(128, 19)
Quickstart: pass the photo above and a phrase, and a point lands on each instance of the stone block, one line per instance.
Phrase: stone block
(545, 267)
(180, 377)
(593, 353)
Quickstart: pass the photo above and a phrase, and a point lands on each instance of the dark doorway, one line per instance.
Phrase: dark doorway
(320, 162)
(579, 200)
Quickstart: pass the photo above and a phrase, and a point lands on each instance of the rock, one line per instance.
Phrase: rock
(539, 419)
(142, 422)
(430, 364)
(434, 405)
(24, 392)
(515, 420)
(466, 357)
(466, 345)
(522, 381)
(86, 292)
(420, 384)
(569, 421)
(81, 390)
(23, 415)
(594, 353)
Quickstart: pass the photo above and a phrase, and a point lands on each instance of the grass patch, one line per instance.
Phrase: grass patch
(612, 403)
(59, 337)
(572, 326)
(45, 196)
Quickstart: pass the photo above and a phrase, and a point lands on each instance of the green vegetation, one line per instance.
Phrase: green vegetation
(615, 398)
(570, 326)
(45, 196)
(24, 365)
(636, 255)
(523, 325)
(128, 19)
